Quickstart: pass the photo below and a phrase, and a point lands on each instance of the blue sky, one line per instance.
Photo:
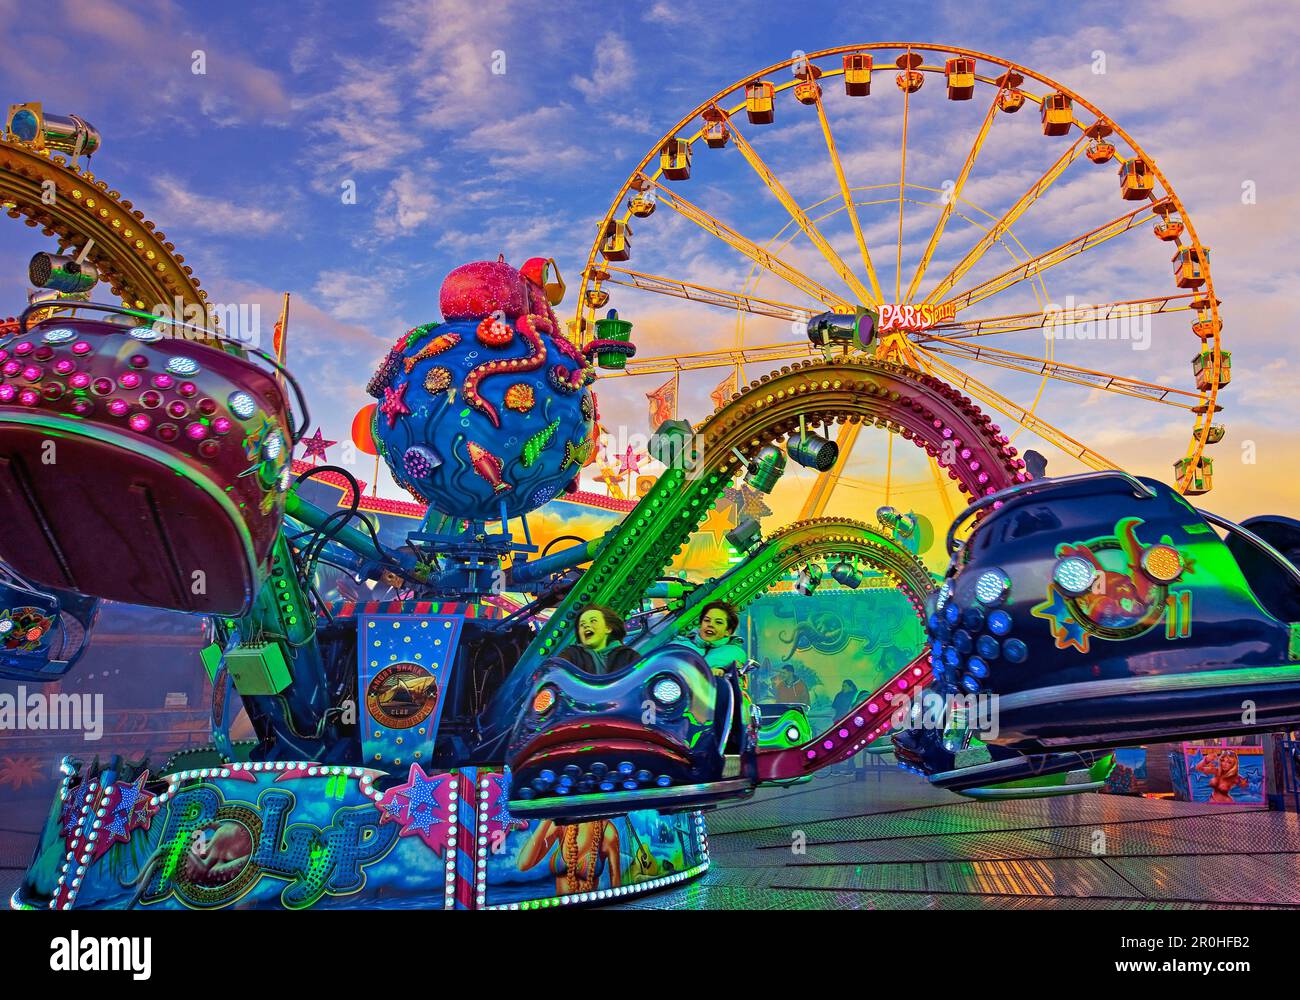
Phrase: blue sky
(244, 168)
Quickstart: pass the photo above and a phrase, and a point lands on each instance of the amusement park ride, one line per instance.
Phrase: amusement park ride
(404, 748)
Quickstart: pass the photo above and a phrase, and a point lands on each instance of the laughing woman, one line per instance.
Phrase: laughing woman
(600, 649)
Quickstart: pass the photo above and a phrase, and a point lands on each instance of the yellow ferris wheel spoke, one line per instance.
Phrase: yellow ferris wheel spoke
(1005, 222)
(1062, 372)
(953, 197)
(902, 190)
(703, 293)
(942, 487)
(752, 250)
(846, 193)
(819, 496)
(725, 358)
(963, 329)
(1035, 266)
(799, 216)
(1014, 411)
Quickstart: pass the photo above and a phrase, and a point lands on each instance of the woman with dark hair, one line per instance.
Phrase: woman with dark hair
(715, 639)
(599, 650)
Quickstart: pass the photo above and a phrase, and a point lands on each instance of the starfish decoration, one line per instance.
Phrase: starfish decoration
(1065, 629)
(394, 405)
(315, 446)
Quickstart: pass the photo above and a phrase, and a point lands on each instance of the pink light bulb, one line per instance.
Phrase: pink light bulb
(79, 380)
(140, 422)
(117, 407)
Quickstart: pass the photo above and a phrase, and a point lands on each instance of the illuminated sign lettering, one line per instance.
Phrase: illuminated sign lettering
(913, 318)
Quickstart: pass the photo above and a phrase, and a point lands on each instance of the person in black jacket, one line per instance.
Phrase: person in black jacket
(599, 649)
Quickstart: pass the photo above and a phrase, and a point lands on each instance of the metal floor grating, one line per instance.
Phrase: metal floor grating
(892, 842)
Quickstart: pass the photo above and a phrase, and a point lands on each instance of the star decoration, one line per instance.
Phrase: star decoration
(630, 463)
(393, 808)
(746, 501)
(394, 405)
(1066, 630)
(499, 817)
(129, 810)
(315, 446)
(71, 819)
(717, 522)
(418, 806)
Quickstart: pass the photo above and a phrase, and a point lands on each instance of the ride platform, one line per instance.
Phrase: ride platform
(892, 841)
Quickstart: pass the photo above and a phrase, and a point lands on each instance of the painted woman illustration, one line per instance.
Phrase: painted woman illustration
(1223, 767)
(579, 854)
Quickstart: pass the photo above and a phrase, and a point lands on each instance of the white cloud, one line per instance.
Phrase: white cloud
(205, 213)
(612, 72)
(408, 203)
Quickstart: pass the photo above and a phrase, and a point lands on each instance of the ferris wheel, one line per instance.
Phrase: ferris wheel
(901, 181)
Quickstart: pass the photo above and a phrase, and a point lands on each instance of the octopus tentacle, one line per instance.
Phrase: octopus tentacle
(561, 376)
(528, 327)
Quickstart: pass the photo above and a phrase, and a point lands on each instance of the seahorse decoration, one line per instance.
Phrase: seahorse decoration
(534, 445)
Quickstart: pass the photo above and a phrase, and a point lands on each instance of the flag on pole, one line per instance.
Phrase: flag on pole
(280, 335)
(663, 402)
(725, 390)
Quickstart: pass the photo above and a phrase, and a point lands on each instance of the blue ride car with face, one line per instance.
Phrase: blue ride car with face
(654, 734)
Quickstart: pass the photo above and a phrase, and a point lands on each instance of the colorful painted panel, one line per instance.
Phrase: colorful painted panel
(531, 863)
(1220, 773)
(404, 663)
(300, 835)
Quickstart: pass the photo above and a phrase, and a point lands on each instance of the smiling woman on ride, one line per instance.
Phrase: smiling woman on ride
(716, 638)
(600, 648)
